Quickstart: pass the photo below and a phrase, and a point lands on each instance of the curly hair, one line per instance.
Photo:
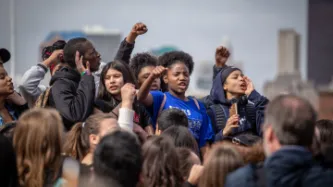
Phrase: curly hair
(142, 60)
(170, 58)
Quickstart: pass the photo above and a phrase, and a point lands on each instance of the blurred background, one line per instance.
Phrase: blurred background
(282, 45)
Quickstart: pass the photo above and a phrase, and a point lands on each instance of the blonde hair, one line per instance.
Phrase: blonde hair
(37, 142)
(221, 160)
(77, 143)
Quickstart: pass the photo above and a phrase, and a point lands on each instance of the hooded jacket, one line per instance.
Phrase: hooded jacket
(72, 95)
(249, 121)
(292, 166)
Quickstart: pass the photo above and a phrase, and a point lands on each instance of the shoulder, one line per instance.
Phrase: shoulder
(241, 177)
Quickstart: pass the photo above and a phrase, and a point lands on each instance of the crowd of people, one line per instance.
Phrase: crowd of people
(129, 123)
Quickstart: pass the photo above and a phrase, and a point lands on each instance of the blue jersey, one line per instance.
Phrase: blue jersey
(199, 122)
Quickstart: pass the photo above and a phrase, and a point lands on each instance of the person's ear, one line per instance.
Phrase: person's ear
(94, 139)
(165, 78)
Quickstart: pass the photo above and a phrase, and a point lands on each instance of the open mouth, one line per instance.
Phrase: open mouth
(154, 87)
(182, 85)
(113, 88)
(243, 86)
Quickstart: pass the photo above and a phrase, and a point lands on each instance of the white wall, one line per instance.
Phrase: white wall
(194, 26)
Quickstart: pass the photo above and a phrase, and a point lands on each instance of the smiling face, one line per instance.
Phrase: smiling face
(114, 81)
(144, 74)
(177, 78)
(235, 84)
(6, 84)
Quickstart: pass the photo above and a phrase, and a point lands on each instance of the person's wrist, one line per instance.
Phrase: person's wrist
(131, 38)
(126, 104)
(47, 62)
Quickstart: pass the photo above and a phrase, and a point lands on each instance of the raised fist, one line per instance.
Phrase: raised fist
(158, 71)
(139, 29)
(221, 56)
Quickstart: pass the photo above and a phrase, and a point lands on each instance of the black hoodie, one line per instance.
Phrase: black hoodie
(72, 95)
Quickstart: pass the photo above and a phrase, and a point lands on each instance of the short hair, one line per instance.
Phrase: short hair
(170, 58)
(292, 119)
(73, 45)
(142, 60)
(182, 137)
(172, 117)
(118, 156)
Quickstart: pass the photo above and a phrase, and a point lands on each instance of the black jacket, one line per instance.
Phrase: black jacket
(72, 95)
(291, 166)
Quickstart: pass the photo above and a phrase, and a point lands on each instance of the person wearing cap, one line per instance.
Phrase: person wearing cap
(236, 109)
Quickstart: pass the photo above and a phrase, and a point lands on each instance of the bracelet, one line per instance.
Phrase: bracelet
(83, 73)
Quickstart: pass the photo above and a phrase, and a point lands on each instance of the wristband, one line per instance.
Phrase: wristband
(83, 73)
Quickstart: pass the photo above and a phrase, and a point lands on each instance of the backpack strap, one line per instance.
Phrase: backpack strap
(42, 100)
(196, 102)
(162, 105)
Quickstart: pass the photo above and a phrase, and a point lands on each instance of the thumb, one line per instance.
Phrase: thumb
(88, 65)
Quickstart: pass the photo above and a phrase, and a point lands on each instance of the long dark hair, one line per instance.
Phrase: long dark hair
(161, 165)
(128, 77)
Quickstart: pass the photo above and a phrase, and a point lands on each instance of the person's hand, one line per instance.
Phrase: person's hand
(140, 132)
(79, 64)
(158, 72)
(137, 29)
(54, 58)
(249, 86)
(17, 99)
(195, 174)
(128, 93)
(221, 56)
(231, 124)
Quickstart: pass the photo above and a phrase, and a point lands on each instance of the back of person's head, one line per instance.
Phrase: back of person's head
(187, 159)
(8, 171)
(161, 163)
(220, 161)
(38, 145)
(73, 45)
(47, 51)
(123, 69)
(171, 117)
(291, 119)
(8, 130)
(83, 137)
(181, 137)
(118, 156)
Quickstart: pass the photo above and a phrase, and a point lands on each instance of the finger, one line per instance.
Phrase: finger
(77, 56)
(88, 65)
(81, 60)
(234, 126)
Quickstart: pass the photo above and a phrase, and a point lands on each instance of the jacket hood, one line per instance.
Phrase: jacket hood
(66, 73)
(217, 93)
